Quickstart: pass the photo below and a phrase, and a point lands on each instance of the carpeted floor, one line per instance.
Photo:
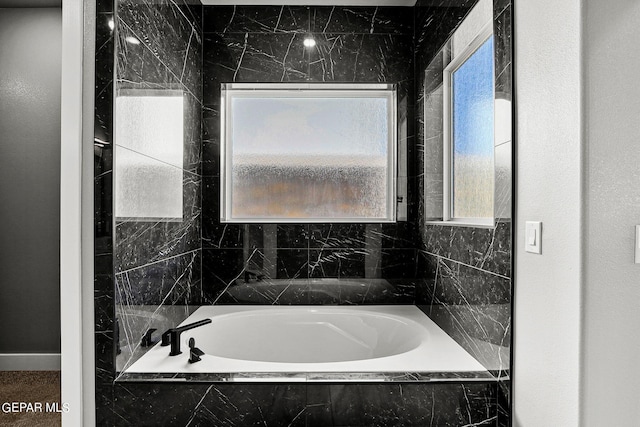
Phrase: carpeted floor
(37, 388)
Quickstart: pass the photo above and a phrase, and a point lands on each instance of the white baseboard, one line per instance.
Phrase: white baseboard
(30, 362)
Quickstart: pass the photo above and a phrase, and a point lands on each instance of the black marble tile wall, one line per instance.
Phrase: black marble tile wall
(468, 270)
(158, 262)
(264, 44)
(104, 277)
(154, 272)
(242, 405)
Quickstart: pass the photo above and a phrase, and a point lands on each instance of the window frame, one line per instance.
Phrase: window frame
(447, 152)
(319, 90)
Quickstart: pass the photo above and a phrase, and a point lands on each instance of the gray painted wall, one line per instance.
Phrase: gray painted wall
(611, 344)
(30, 48)
(549, 146)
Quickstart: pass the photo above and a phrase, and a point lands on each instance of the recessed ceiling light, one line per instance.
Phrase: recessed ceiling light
(111, 24)
(309, 42)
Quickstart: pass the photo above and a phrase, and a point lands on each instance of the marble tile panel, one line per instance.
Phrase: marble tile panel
(398, 264)
(299, 404)
(362, 20)
(155, 405)
(211, 125)
(138, 67)
(214, 233)
(252, 405)
(104, 405)
(292, 264)
(499, 6)
(103, 129)
(192, 156)
(434, 24)
(504, 402)
(219, 65)
(256, 19)
(251, 57)
(459, 284)
(290, 236)
(372, 58)
(318, 410)
(413, 405)
(360, 291)
(103, 218)
(341, 263)
(482, 330)
(104, 51)
(175, 280)
(333, 236)
(486, 249)
(210, 153)
(104, 305)
(166, 31)
(142, 242)
(221, 269)
(105, 356)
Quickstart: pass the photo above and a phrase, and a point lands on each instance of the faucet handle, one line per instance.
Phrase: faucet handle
(166, 338)
(194, 352)
(147, 341)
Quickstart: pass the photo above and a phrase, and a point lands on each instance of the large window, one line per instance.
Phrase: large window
(308, 153)
(468, 152)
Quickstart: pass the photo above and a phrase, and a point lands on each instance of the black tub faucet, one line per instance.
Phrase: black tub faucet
(172, 336)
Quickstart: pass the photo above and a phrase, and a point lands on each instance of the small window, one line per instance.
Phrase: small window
(149, 155)
(308, 153)
(469, 134)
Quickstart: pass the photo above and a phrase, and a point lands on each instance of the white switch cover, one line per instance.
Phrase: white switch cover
(637, 244)
(533, 237)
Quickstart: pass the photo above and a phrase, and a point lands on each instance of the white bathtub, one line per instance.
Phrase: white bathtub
(297, 339)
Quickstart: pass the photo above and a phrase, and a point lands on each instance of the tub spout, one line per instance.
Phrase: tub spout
(172, 336)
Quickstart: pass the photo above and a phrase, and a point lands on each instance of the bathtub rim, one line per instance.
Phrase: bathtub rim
(292, 376)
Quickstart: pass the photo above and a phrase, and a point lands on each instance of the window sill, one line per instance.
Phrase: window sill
(475, 224)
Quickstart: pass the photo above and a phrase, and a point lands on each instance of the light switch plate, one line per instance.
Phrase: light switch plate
(533, 237)
(637, 244)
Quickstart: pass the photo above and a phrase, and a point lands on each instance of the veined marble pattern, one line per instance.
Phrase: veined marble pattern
(241, 405)
(468, 284)
(356, 44)
(289, 276)
(158, 263)
(264, 44)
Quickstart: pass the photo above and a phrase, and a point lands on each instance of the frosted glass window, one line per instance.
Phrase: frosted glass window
(309, 155)
(149, 155)
(473, 135)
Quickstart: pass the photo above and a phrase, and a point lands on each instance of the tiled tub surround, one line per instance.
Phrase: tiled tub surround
(355, 405)
(468, 270)
(250, 45)
(245, 44)
(158, 262)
